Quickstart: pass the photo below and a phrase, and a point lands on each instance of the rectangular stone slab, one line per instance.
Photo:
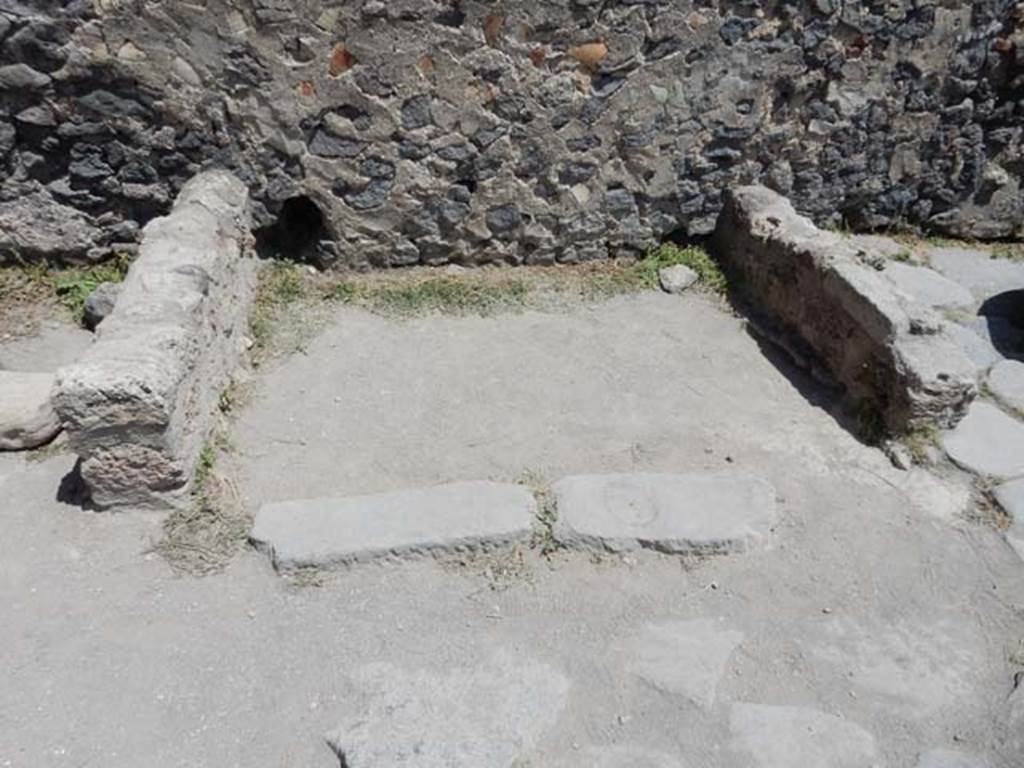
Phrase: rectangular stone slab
(320, 533)
(681, 514)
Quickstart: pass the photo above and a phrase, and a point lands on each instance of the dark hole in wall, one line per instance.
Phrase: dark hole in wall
(297, 233)
(1003, 315)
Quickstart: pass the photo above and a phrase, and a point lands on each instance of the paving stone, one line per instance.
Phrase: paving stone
(27, 418)
(488, 715)
(787, 737)
(947, 758)
(977, 271)
(927, 666)
(677, 278)
(446, 518)
(684, 658)
(987, 442)
(694, 513)
(977, 346)
(1011, 498)
(929, 287)
(1006, 381)
(47, 350)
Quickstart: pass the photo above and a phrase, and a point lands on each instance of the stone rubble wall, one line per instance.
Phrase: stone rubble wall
(429, 131)
(141, 402)
(820, 294)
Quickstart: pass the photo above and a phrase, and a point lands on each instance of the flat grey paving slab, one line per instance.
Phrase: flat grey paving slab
(1006, 380)
(718, 512)
(929, 666)
(987, 442)
(977, 271)
(948, 758)
(445, 518)
(489, 715)
(976, 345)
(787, 737)
(1011, 497)
(683, 658)
(929, 287)
(55, 345)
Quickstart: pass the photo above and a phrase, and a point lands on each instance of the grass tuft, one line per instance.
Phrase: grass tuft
(919, 441)
(670, 255)
(204, 535)
(281, 284)
(440, 294)
(31, 283)
(543, 537)
(74, 285)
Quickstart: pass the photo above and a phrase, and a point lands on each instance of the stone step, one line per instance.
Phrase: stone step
(321, 533)
(27, 418)
(988, 442)
(1006, 381)
(678, 514)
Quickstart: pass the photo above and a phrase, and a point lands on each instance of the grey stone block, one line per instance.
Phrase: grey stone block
(947, 758)
(99, 304)
(1006, 381)
(447, 518)
(34, 226)
(977, 271)
(977, 347)
(488, 715)
(677, 279)
(987, 442)
(142, 400)
(813, 285)
(681, 514)
(683, 658)
(27, 418)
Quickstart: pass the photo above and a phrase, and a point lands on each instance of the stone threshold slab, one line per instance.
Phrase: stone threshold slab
(456, 517)
(704, 513)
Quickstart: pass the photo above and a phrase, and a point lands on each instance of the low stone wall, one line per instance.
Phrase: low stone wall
(429, 131)
(141, 402)
(819, 292)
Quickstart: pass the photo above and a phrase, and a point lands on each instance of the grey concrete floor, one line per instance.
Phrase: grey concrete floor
(878, 603)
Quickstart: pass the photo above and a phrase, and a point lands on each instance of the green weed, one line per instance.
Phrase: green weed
(919, 441)
(670, 254)
(543, 537)
(33, 282)
(204, 534)
(448, 295)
